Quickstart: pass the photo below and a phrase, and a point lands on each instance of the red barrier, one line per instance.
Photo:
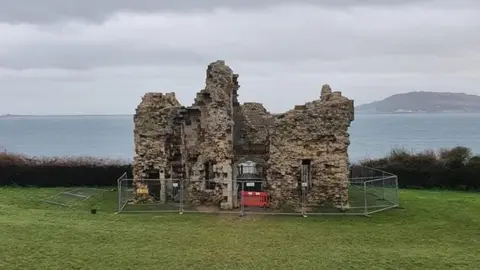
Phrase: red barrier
(251, 198)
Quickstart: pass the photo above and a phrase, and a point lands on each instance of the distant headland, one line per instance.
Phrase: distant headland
(14, 115)
(424, 102)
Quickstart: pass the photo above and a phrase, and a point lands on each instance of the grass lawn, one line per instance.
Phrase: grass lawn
(434, 230)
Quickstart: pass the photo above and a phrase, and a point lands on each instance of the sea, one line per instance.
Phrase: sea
(371, 135)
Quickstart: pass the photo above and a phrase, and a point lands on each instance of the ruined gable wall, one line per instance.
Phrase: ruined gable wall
(153, 133)
(317, 131)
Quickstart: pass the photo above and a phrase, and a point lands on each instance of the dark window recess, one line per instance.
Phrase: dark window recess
(210, 185)
(154, 190)
(209, 176)
(306, 172)
(153, 174)
(206, 170)
(298, 176)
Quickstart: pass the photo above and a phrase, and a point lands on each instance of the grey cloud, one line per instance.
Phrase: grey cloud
(114, 90)
(87, 57)
(55, 64)
(382, 40)
(45, 11)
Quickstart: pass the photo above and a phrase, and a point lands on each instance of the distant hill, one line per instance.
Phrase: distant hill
(426, 102)
(11, 115)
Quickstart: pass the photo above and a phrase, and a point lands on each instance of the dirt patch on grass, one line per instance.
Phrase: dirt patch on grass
(207, 208)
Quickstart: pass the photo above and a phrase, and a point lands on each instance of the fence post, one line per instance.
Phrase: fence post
(181, 195)
(304, 198)
(383, 185)
(242, 204)
(365, 198)
(397, 197)
(119, 190)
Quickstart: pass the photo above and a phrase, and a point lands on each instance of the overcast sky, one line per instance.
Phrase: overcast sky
(100, 57)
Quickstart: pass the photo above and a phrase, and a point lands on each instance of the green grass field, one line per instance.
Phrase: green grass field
(433, 230)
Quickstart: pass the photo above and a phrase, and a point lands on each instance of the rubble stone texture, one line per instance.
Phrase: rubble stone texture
(153, 134)
(252, 127)
(210, 137)
(204, 142)
(316, 132)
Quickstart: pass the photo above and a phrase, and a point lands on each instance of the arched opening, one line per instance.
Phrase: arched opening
(250, 176)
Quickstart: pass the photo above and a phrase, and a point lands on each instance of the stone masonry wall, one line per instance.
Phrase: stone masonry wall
(152, 136)
(252, 126)
(212, 124)
(316, 131)
(216, 132)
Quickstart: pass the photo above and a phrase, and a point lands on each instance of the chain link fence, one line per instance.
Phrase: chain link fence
(369, 191)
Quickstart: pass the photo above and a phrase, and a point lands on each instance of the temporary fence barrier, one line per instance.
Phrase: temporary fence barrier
(369, 191)
(251, 198)
(71, 197)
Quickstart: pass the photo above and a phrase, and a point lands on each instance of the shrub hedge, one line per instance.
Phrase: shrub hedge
(21, 170)
(454, 168)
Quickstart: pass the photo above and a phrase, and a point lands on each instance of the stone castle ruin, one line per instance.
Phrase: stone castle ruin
(214, 145)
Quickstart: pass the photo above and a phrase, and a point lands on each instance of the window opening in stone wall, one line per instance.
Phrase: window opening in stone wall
(209, 176)
(249, 177)
(306, 172)
(154, 187)
(153, 174)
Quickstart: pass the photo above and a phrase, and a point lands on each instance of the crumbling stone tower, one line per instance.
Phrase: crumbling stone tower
(203, 144)
(209, 137)
(153, 135)
(309, 147)
(172, 141)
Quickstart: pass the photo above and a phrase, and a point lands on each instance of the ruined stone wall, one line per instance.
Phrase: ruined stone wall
(316, 131)
(216, 132)
(252, 126)
(153, 135)
(210, 135)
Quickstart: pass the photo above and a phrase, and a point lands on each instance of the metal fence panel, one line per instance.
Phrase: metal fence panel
(316, 205)
(381, 194)
(150, 195)
(72, 197)
(255, 198)
(369, 191)
(207, 196)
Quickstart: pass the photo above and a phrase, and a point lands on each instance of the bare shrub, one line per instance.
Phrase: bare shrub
(455, 157)
(399, 155)
(454, 168)
(12, 159)
(19, 159)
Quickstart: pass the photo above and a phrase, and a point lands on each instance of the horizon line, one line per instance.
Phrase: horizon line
(87, 114)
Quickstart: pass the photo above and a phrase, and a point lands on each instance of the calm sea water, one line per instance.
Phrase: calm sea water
(112, 136)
